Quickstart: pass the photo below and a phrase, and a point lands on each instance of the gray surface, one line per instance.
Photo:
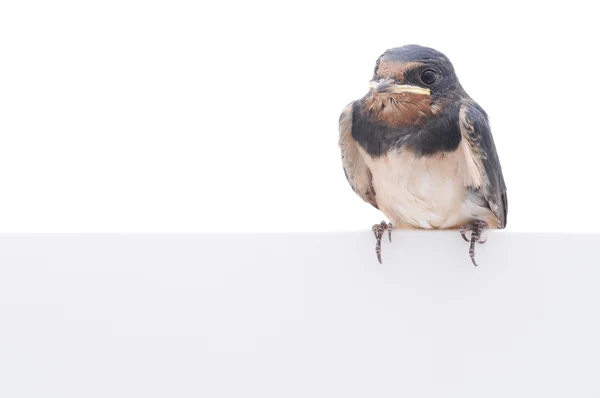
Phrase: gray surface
(309, 315)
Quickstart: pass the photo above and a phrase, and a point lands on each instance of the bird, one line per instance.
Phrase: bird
(418, 148)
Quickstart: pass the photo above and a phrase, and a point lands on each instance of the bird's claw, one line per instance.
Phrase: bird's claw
(378, 230)
(476, 229)
(463, 231)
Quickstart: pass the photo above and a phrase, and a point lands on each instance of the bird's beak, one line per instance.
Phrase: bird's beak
(387, 87)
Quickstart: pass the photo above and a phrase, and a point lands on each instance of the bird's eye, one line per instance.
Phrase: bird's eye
(429, 76)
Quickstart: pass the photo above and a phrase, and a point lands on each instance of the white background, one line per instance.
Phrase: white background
(123, 116)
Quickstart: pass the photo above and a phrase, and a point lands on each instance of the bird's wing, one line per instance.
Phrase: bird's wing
(475, 128)
(357, 172)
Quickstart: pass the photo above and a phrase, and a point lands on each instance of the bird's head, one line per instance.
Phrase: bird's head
(412, 72)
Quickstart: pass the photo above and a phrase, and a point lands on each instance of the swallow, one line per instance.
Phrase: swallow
(419, 149)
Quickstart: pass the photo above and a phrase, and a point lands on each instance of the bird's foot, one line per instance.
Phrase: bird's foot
(476, 229)
(378, 230)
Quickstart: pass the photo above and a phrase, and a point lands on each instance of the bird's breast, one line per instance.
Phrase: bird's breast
(416, 191)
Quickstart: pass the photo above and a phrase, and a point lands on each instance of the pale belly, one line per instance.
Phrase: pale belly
(427, 192)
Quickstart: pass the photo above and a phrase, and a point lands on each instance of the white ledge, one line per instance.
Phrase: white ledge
(299, 315)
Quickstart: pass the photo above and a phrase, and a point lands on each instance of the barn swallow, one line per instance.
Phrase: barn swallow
(421, 151)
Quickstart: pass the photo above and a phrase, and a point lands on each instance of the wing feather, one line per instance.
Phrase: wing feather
(475, 127)
(356, 170)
